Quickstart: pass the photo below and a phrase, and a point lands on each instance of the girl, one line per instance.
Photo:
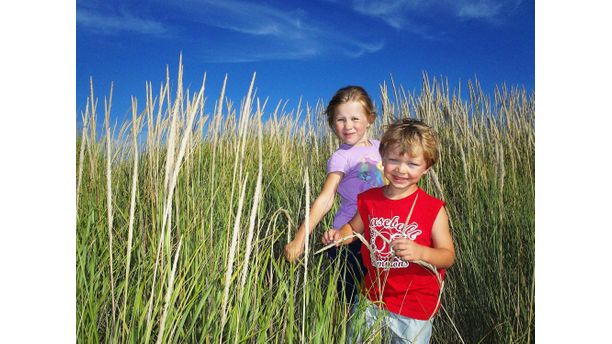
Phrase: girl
(353, 168)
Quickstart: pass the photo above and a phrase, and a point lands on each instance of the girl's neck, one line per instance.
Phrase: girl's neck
(364, 142)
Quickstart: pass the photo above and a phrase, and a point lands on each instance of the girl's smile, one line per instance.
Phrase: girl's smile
(351, 124)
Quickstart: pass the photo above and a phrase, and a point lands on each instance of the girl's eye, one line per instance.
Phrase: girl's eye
(355, 118)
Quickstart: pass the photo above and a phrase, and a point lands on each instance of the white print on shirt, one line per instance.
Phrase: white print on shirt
(382, 232)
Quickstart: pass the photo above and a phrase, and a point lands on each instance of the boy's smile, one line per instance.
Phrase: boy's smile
(403, 171)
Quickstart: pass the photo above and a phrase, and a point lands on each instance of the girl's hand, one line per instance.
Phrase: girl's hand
(294, 250)
(408, 250)
(332, 236)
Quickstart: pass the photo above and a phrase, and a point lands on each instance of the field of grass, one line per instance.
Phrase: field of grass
(182, 217)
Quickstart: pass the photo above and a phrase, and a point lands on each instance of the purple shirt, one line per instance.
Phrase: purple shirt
(362, 170)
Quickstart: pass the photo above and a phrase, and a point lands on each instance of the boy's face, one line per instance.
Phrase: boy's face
(404, 170)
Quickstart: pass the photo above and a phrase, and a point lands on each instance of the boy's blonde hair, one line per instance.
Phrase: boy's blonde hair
(348, 94)
(409, 134)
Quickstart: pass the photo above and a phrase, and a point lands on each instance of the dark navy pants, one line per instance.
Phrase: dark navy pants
(352, 270)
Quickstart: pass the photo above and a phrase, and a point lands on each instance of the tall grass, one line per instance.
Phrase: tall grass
(165, 253)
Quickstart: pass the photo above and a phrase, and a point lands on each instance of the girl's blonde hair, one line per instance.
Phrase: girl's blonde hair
(347, 94)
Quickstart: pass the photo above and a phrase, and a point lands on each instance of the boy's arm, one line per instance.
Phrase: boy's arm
(319, 208)
(442, 252)
(354, 225)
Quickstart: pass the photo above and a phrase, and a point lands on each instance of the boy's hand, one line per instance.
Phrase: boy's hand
(332, 236)
(294, 250)
(408, 250)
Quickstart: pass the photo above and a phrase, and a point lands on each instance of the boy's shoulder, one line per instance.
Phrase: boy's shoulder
(431, 199)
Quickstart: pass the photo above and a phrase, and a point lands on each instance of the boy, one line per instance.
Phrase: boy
(402, 224)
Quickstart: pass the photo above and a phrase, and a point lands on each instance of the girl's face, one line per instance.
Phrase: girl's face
(351, 124)
(404, 170)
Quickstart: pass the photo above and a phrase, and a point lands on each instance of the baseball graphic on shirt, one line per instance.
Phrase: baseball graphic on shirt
(382, 232)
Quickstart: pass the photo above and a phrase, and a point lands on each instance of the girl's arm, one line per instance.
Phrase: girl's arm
(442, 252)
(320, 207)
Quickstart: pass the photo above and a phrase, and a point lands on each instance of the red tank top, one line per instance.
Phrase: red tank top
(405, 288)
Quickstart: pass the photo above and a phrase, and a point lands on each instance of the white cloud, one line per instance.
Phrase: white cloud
(114, 24)
(365, 48)
(391, 12)
(479, 9)
(273, 33)
(245, 17)
(410, 15)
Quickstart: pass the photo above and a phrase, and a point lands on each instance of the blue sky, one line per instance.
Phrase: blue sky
(299, 48)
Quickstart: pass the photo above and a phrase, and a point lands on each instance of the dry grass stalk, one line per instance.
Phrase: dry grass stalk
(82, 154)
(464, 162)
(387, 107)
(306, 248)
(274, 218)
(397, 104)
(177, 164)
(169, 290)
(164, 94)
(198, 103)
(167, 217)
(311, 134)
(174, 114)
(244, 119)
(149, 104)
(501, 169)
(238, 152)
(275, 125)
(436, 182)
(152, 156)
(93, 166)
(232, 254)
(405, 102)
(135, 126)
(354, 235)
(218, 113)
(109, 195)
(256, 199)
(202, 119)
